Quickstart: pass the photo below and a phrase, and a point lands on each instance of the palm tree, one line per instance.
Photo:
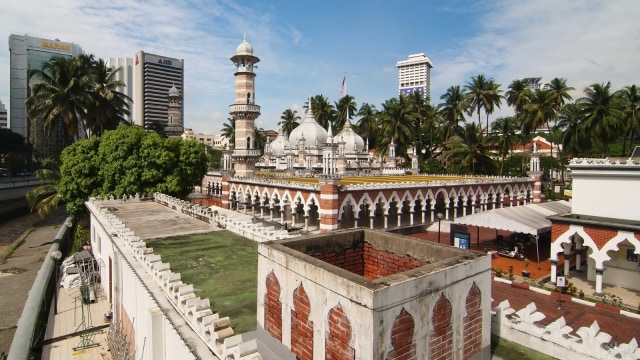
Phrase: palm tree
(368, 122)
(518, 96)
(322, 110)
(229, 131)
(346, 107)
(538, 112)
(469, 153)
(289, 121)
(602, 112)
(505, 136)
(45, 198)
(261, 139)
(483, 93)
(574, 138)
(59, 95)
(452, 110)
(395, 125)
(109, 107)
(631, 117)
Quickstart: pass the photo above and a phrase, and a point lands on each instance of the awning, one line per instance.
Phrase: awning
(529, 219)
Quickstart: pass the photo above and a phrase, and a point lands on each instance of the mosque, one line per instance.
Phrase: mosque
(315, 181)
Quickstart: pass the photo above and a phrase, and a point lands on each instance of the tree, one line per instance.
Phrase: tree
(346, 107)
(109, 107)
(505, 136)
(368, 122)
(260, 139)
(12, 146)
(452, 110)
(468, 154)
(538, 112)
(59, 95)
(602, 112)
(518, 96)
(45, 198)
(322, 109)
(482, 93)
(229, 131)
(630, 94)
(574, 138)
(290, 120)
(395, 125)
(129, 161)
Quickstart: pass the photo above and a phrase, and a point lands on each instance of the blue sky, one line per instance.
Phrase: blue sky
(306, 47)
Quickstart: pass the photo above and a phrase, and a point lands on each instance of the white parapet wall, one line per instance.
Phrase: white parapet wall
(163, 316)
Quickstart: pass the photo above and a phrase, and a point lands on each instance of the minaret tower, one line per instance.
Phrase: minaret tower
(175, 126)
(244, 111)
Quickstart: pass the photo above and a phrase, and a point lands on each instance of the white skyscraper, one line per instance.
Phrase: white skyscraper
(126, 76)
(414, 74)
(3, 116)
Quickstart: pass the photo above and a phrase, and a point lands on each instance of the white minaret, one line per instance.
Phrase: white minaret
(244, 111)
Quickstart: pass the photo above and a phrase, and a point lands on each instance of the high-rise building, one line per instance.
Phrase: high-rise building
(126, 76)
(26, 53)
(3, 116)
(414, 74)
(154, 76)
(535, 83)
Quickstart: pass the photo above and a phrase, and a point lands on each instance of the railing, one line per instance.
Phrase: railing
(36, 309)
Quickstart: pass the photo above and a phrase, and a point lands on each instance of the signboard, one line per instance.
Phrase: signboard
(461, 240)
(159, 60)
(409, 91)
(561, 281)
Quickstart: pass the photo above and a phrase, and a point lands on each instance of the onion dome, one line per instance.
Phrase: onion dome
(174, 91)
(352, 141)
(244, 48)
(314, 135)
(279, 146)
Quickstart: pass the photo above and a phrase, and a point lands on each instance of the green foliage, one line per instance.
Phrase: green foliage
(45, 198)
(215, 158)
(129, 161)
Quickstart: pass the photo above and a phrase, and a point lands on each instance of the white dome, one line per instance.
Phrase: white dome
(279, 146)
(314, 134)
(244, 48)
(174, 91)
(352, 141)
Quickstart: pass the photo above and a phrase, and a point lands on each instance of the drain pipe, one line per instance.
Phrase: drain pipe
(23, 338)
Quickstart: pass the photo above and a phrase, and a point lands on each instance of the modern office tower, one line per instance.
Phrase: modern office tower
(126, 76)
(26, 53)
(535, 83)
(154, 76)
(414, 74)
(3, 116)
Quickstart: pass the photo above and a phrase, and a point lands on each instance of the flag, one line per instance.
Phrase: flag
(343, 86)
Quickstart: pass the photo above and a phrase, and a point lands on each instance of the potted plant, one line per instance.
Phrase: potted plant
(525, 272)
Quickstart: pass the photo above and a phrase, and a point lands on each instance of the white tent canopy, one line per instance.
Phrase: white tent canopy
(529, 219)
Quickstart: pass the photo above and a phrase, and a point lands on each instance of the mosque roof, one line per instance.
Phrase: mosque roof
(313, 134)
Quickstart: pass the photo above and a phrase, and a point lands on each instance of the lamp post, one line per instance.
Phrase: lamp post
(440, 216)
(55, 256)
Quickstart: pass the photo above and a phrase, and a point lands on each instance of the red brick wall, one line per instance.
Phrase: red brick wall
(441, 341)
(351, 259)
(273, 307)
(379, 263)
(301, 327)
(473, 323)
(558, 229)
(600, 236)
(404, 348)
(338, 337)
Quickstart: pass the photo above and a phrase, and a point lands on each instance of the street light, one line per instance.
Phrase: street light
(440, 216)
(55, 256)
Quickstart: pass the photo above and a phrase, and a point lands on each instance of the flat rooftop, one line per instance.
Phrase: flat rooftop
(383, 179)
(221, 265)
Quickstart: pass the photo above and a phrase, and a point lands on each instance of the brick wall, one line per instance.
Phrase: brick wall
(369, 261)
(600, 236)
(380, 263)
(338, 337)
(301, 327)
(404, 348)
(273, 307)
(441, 341)
(472, 323)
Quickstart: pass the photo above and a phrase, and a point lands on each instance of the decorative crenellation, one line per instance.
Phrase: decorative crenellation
(555, 339)
(599, 161)
(225, 219)
(215, 330)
